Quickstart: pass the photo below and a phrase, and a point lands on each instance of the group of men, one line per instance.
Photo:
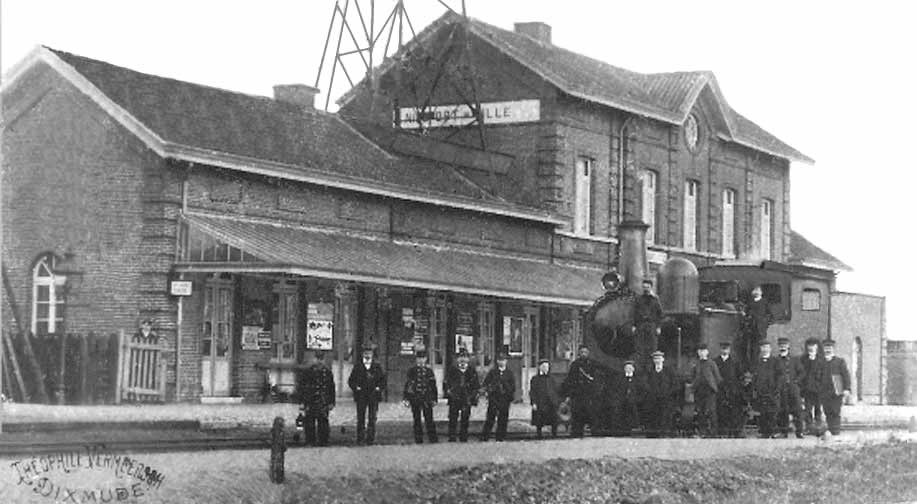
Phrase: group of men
(462, 389)
(722, 392)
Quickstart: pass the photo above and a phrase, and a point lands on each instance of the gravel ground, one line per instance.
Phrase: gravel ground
(858, 468)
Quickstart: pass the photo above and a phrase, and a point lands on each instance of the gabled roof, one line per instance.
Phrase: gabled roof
(256, 134)
(668, 97)
(805, 253)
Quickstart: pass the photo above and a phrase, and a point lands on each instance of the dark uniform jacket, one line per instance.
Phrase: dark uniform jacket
(791, 370)
(317, 388)
(766, 381)
(631, 389)
(758, 317)
(367, 384)
(543, 394)
(500, 386)
(661, 386)
(814, 368)
(730, 373)
(581, 379)
(706, 375)
(420, 386)
(647, 309)
(461, 388)
(835, 366)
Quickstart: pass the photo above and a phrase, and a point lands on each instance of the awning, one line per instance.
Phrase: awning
(317, 253)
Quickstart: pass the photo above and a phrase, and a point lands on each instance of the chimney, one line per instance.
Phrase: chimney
(535, 29)
(297, 94)
(632, 253)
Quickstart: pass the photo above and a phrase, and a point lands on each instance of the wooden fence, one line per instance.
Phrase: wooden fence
(142, 369)
(90, 368)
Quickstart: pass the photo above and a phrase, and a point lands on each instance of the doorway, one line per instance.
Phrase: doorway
(216, 338)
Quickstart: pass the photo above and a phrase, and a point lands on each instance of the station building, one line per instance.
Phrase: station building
(255, 230)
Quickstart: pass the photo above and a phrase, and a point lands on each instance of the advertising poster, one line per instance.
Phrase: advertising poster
(320, 326)
(250, 337)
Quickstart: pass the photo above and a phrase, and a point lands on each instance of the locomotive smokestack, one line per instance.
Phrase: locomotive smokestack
(632, 248)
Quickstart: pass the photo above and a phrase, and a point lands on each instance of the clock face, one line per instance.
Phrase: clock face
(691, 133)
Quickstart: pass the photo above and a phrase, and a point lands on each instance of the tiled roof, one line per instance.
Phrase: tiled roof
(806, 253)
(385, 262)
(229, 124)
(664, 96)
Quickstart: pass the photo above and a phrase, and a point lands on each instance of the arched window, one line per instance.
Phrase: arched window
(47, 297)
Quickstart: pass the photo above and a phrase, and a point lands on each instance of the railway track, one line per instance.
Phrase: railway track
(190, 440)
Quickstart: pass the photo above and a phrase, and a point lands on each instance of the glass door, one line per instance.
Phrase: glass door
(216, 338)
(531, 328)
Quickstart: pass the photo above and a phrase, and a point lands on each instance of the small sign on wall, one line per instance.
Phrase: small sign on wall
(250, 337)
(180, 287)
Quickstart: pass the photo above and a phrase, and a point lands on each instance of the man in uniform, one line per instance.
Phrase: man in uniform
(632, 389)
(500, 386)
(766, 387)
(461, 390)
(317, 392)
(579, 388)
(544, 398)
(757, 319)
(705, 380)
(420, 396)
(835, 387)
(792, 374)
(647, 318)
(728, 402)
(661, 398)
(813, 365)
(368, 382)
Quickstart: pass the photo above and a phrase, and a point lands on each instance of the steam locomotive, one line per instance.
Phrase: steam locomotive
(700, 304)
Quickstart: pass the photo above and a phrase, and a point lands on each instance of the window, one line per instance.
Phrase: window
(583, 201)
(285, 317)
(729, 216)
(650, 180)
(47, 297)
(486, 337)
(692, 187)
(767, 208)
(437, 352)
(811, 299)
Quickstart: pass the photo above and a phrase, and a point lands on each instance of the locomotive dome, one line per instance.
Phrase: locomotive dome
(678, 286)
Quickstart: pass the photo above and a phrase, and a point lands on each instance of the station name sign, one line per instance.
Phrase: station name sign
(440, 116)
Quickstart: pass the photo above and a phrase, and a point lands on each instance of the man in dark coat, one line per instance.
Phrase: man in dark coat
(631, 388)
(544, 398)
(420, 396)
(499, 385)
(580, 388)
(835, 387)
(792, 374)
(813, 365)
(317, 392)
(661, 398)
(705, 380)
(647, 320)
(766, 386)
(728, 400)
(757, 319)
(461, 390)
(368, 382)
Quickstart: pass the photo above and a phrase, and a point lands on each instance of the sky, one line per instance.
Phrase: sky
(836, 80)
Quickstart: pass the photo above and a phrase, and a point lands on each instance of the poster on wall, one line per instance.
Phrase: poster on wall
(250, 337)
(320, 326)
(265, 340)
(465, 341)
(512, 334)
